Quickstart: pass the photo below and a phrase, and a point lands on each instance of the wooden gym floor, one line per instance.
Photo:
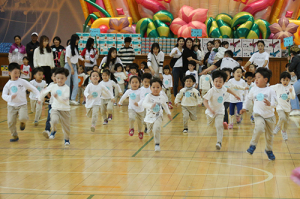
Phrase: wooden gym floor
(110, 164)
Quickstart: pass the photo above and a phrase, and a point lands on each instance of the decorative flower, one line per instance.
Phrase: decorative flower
(119, 26)
(189, 19)
(283, 29)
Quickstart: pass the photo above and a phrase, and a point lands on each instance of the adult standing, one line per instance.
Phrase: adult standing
(57, 49)
(43, 57)
(188, 55)
(295, 67)
(31, 46)
(155, 61)
(214, 51)
(127, 54)
(176, 54)
(260, 58)
(90, 54)
(17, 51)
(71, 63)
(209, 46)
(111, 60)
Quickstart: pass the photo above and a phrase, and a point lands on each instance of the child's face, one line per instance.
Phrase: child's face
(260, 81)
(147, 70)
(285, 81)
(146, 82)
(53, 78)
(191, 67)
(166, 71)
(216, 44)
(226, 46)
(260, 47)
(127, 68)
(238, 74)
(114, 54)
(155, 51)
(189, 83)
(252, 68)
(142, 66)
(127, 44)
(133, 71)
(95, 68)
(60, 79)
(105, 77)
(95, 78)
(25, 62)
(155, 88)
(119, 69)
(240, 62)
(196, 48)
(39, 76)
(218, 82)
(249, 80)
(134, 83)
(14, 74)
(80, 70)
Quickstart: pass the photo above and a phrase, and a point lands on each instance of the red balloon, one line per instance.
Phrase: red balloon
(103, 29)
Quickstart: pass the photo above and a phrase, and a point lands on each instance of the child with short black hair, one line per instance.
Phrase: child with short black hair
(155, 103)
(189, 97)
(126, 53)
(192, 71)
(60, 111)
(81, 78)
(40, 84)
(252, 68)
(147, 69)
(14, 93)
(168, 84)
(249, 76)
(214, 103)
(26, 69)
(284, 92)
(263, 111)
(121, 76)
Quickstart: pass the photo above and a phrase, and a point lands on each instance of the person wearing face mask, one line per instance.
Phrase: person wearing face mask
(31, 46)
(110, 60)
(57, 49)
(260, 58)
(17, 51)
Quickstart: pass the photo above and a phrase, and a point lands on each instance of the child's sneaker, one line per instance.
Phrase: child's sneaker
(284, 135)
(67, 142)
(145, 131)
(185, 131)
(225, 125)
(251, 149)
(170, 105)
(252, 119)
(105, 122)
(276, 130)
(218, 146)
(52, 135)
(93, 128)
(14, 139)
(46, 134)
(109, 117)
(141, 135)
(36, 123)
(230, 126)
(270, 155)
(22, 126)
(238, 119)
(83, 102)
(157, 147)
(131, 132)
(115, 104)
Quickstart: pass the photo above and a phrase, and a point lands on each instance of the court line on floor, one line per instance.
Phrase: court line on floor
(152, 137)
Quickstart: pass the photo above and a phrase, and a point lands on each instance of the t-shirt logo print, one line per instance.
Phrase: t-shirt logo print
(14, 89)
(156, 108)
(132, 96)
(95, 94)
(206, 78)
(260, 97)
(59, 93)
(187, 94)
(284, 96)
(118, 79)
(220, 99)
(166, 82)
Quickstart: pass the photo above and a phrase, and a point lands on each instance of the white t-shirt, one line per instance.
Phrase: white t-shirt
(205, 82)
(231, 87)
(179, 62)
(91, 55)
(134, 96)
(61, 103)
(26, 70)
(17, 88)
(156, 62)
(167, 81)
(194, 73)
(40, 86)
(215, 99)
(260, 58)
(51, 98)
(283, 96)
(238, 92)
(110, 84)
(188, 97)
(120, 77)
(73, 59)
(95, 91)
(258, 95)
(111, 65)
(227, 62)
(45, 59)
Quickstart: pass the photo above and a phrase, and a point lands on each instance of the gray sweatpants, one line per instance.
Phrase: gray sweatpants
(93, 113)
(283, 119)
(263, 125)
(188, 112)
(168, 93)
(36, 108)
(218, 121)
(117, 96)
(155, 127)
(12, 114)
(133, 115)
(106, 107)
(64, 118)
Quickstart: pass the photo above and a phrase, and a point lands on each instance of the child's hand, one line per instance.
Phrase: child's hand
(153, 105)
(119, 105)
(242, 111)
(212, 111)
(39, 102)
(247, 88)
(291, 89)
(120, 94)
(55, 95)
(267, 103)
(89, 97)
(237, 97)
(113, 100)
(170, 117)
(136, 104)
(13, 96)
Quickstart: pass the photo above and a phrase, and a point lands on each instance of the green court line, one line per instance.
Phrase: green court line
(151, 138)
(91, 196)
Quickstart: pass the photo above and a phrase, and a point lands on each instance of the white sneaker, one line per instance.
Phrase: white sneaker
(218, 146)
(67, 143)
(185, 131)
(73, 102)
(295, 113)
(284, 135)
(157, 148)
(46, 134)
(276, 130)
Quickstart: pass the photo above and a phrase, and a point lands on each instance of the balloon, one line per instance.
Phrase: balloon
(105, 21)
(144, 12)
(255, 7)
(271, 36)
(133, 7)
(119, 26)
(133, 28)
(92, 9)
(276, 11)
(109, 7)
(289, 14)
(85, 10)
(120, 11)
(283, 29)
(152, 5)
(103, 28)
(242, 1)
(219, 27)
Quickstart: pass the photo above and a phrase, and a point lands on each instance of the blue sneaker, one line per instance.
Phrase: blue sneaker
(270, 155)
(251, 149)
(67, 142)
(14, 139)
(252, 119)
(52, 135)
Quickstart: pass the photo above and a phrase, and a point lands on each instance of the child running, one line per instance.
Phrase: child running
(249, 76)
(192, 71)
(168, 84)
(121, 76)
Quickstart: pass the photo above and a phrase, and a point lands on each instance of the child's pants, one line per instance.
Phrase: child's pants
(117, 96)
(203, 92)
(106, 107)
(133, 115)
(12, 113)
(93, 113)
(80, 92)
(238, 105)
(263, 125)
(48, 125)
(188, 112)
(283, 119)
(168, 93)
(36, 108)
(218, 121)
(226, 105)
(155, 127)
(64, 118)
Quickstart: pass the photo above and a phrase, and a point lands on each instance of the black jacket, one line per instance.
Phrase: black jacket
(32, 46)
(295, 66)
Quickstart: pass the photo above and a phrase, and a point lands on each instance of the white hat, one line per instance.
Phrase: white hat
(35, 33)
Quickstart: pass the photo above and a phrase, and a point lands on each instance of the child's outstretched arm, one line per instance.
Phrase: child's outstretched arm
(205, 102)
(178, 97)
(232, 93)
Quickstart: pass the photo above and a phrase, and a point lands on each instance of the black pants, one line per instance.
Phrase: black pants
(226, 105)
(47, 74)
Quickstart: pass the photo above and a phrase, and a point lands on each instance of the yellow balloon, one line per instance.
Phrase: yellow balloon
(105, 21)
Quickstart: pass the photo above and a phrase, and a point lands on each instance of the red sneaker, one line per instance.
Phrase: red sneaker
(170, 105)
(109, 117)
(141, 135)
(131, 132)
(225, 125)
